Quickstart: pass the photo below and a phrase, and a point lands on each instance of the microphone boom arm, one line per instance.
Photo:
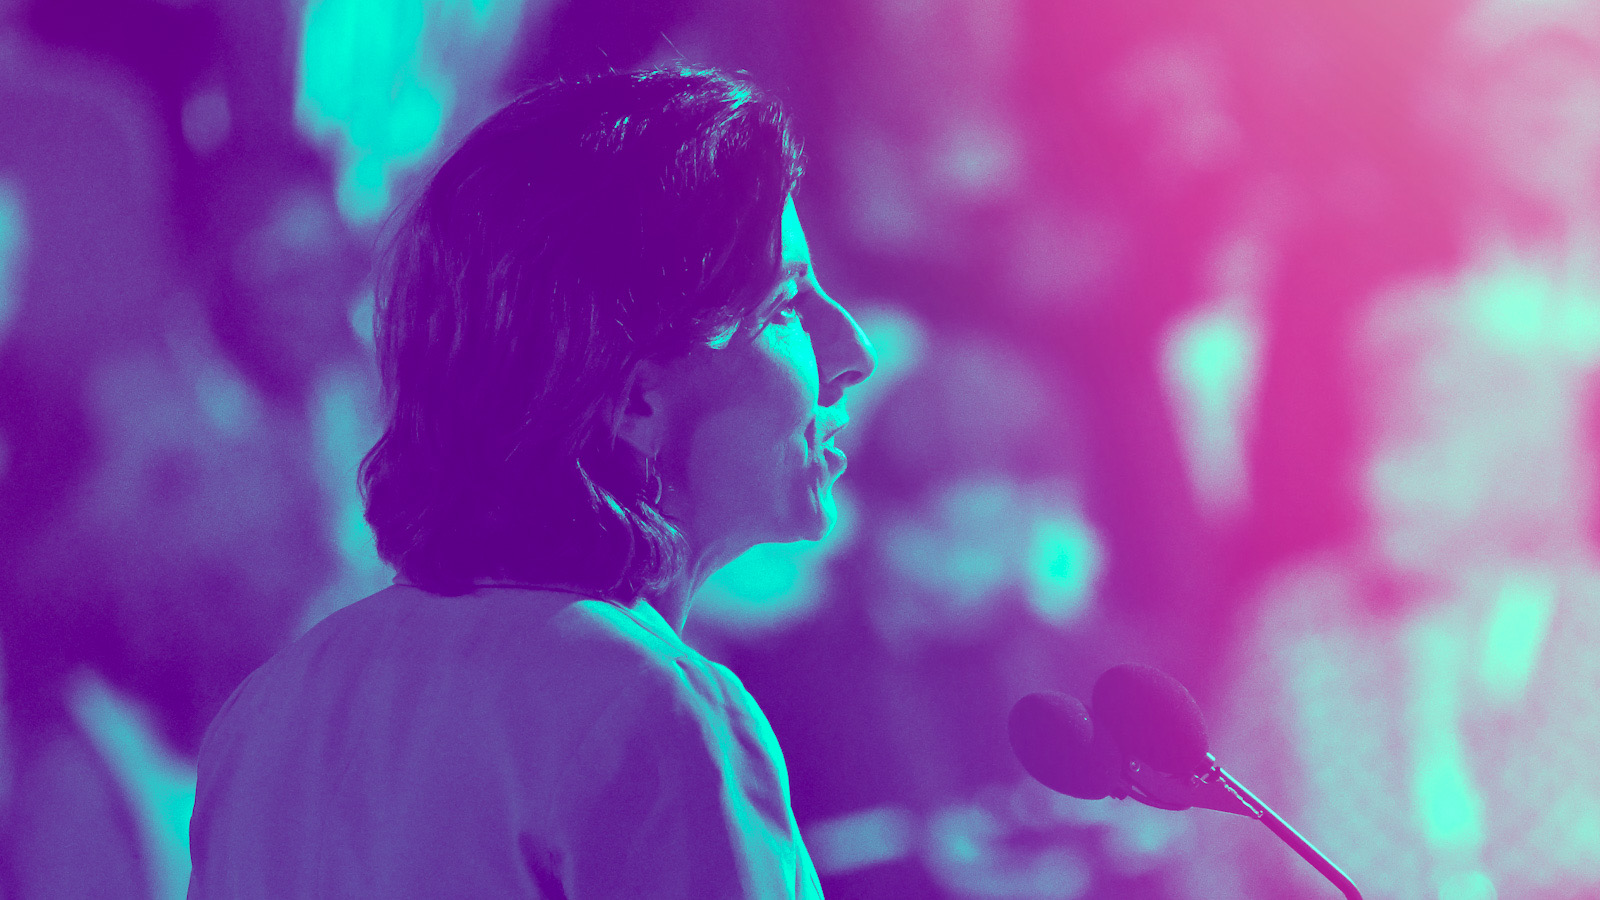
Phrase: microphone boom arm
(1214, 788)
(1286, 833)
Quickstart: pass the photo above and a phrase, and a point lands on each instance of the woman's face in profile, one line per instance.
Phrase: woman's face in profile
(747, 454)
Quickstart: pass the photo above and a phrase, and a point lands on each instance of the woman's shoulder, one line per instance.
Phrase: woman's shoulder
(510, 654)
(494, 627)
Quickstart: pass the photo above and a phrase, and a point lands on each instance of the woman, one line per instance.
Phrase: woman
(611, 371)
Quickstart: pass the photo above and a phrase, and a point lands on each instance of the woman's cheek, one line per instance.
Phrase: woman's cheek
(792, 361)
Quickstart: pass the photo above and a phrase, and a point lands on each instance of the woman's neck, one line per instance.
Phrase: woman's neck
(673, 602)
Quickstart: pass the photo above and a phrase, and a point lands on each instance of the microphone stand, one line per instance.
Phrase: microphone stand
(1213, 788)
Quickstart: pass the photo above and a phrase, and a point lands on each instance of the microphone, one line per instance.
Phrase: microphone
(1146, 739)
(1053, 737)
(1153, 718)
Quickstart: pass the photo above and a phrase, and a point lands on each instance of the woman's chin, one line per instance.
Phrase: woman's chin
(824, 513)
(811, 519)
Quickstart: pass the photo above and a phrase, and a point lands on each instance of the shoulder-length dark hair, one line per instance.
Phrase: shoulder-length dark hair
(579, 229)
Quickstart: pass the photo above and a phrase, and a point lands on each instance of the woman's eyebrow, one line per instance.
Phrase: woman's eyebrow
(798, 271)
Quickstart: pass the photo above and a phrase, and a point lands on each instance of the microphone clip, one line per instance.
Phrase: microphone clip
(1209, 787)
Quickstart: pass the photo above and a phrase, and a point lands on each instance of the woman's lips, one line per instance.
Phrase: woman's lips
(837, 460)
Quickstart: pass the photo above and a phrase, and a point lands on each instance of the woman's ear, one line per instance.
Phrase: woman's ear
(640, 419)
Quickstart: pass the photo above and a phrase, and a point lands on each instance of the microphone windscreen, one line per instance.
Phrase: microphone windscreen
(1053, 738)
(1152, 717)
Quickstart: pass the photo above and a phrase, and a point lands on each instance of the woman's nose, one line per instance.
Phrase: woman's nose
(844, 355)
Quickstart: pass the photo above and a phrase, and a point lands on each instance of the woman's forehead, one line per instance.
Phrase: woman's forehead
(796, 252)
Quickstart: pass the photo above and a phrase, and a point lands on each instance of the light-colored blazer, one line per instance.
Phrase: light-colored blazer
(511, 742)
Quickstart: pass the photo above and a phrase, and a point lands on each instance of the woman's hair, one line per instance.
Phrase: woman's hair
(579, 229)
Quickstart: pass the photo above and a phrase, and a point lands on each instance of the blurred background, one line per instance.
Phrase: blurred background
(1252, 339)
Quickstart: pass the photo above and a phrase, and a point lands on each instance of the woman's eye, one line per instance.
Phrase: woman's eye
(787, 309)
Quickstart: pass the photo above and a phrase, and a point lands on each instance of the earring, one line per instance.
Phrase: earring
(650, 487)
